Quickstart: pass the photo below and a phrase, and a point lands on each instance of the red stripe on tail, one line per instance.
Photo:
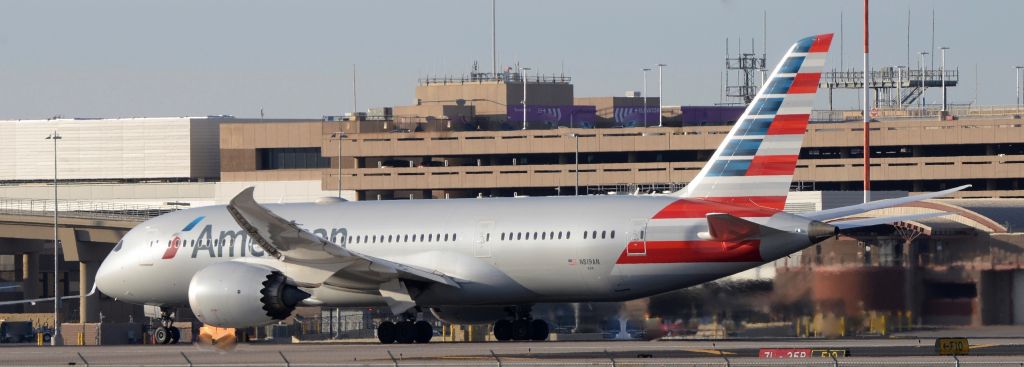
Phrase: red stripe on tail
(805, 83)
(772, 165)
(788, 125)
(821, 43)
(746, 206)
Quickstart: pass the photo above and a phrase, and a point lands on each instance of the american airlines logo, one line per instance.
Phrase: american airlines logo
(227, 243)
(176, 242)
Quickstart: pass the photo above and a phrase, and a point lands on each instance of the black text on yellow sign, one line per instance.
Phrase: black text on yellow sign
(952, 346)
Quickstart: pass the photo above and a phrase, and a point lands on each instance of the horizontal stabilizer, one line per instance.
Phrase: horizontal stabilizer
(867, 222)
(825, 215)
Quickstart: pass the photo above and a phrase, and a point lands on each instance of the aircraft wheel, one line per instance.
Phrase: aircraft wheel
(423, 331)
(406, 333)
(175, 334)
(386, 332)
(521, 329)
(162, 335)
(503, 330)
(538, 330)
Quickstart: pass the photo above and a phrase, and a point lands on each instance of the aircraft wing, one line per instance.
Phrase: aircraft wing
(824, 215)
(288, 242)
(47, 299)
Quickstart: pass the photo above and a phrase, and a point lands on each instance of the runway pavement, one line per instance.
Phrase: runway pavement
(997, 351)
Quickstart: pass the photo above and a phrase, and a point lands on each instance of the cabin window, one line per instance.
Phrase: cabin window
(584, 234)
(445, 237)
(593, 235)
(603, 234)
(502, 236)
(613, 235)
(421, 237)
(488, 237)
(519, 236)
(543, 235)
(454, 236)
(389, 238)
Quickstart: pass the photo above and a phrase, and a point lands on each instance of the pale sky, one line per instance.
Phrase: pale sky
(294, 58)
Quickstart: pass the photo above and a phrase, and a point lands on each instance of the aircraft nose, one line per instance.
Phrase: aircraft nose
(106, 276)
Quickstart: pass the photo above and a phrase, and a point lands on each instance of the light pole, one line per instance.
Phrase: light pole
(522, 74)
(1016, 85)
(899, 86)
(942, 72)
(339, 136)
(920, 65)
(645, 95)
(577, 137)
(661, 99)
(56, 249)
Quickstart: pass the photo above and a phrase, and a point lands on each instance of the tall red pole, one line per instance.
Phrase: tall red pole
(867, 115)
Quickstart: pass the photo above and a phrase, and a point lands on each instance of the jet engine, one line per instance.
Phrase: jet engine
(236, 295)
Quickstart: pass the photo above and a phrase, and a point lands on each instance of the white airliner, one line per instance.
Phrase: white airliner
(490, 260)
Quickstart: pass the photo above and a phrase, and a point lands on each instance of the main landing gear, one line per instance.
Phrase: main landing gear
(407, 331)
(167, 333)
(522, 326)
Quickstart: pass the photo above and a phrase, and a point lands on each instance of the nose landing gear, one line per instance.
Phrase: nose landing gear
(167, 333)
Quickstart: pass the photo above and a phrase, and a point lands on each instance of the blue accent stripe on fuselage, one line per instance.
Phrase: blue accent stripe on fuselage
(193, 223)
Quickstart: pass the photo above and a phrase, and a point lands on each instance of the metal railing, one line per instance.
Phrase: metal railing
(82, 209)
(931, 111)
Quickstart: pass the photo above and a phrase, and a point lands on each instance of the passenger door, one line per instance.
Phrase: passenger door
(483, 239)
(637, 245)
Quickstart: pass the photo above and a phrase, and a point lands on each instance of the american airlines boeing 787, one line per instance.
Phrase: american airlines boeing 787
(489, 260)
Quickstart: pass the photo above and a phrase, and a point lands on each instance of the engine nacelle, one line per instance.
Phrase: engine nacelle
(475, 315)
(237, 295)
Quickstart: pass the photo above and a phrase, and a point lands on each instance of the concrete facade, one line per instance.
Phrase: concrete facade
(119, 149)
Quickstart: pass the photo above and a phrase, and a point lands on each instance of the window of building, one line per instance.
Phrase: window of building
(290, 158)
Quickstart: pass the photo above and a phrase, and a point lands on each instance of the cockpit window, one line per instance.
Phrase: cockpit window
(118, 246)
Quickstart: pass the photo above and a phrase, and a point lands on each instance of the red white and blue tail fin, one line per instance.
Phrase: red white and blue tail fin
(754, 164)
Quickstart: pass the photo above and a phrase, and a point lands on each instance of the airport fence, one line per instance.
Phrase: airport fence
(82, 209)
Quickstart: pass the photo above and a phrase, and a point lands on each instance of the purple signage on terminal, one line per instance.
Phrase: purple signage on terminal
(574, 116)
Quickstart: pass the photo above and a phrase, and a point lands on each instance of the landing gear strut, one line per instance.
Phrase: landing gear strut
(522, 326)
(407, 331)
(166, 333)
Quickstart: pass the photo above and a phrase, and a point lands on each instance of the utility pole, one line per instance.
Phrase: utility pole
(645, 95)
(899, 86)
(577, 137)
(522, 74)
(942, 72)
(1016, 84)
(867, 115)
(921, 66)
(55, 339)
(494, 40)
(661, 98)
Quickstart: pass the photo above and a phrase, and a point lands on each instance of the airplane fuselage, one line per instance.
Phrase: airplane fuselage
(501, 250)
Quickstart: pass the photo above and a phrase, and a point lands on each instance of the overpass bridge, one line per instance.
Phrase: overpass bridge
(87, 232)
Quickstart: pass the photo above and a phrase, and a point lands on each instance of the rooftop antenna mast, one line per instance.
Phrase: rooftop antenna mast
(494, 39)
